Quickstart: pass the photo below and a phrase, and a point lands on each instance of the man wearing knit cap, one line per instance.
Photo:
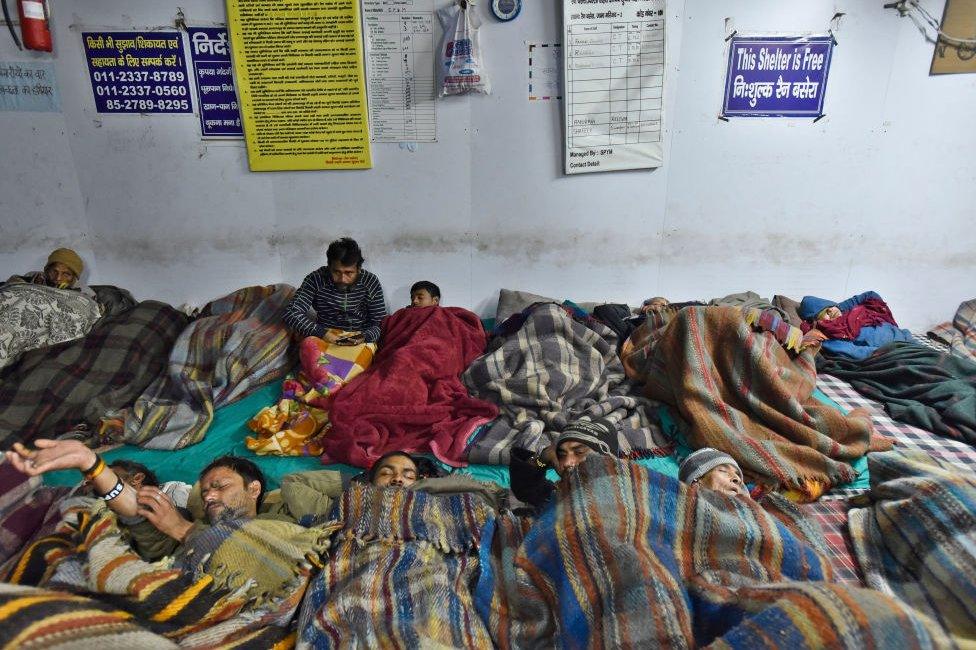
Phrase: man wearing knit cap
(580, 439)
(715, 470)
(62, 271)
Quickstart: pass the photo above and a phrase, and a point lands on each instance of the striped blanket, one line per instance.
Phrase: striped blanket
(237, 345)
(48, 391)
(551, 371)
(627, 557)
(917, 540)
(35, 316)
(400, 573)
(740, 391)
(237, 582)
(960, 334)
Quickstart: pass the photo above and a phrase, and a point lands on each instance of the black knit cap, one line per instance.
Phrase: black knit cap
(599, 435)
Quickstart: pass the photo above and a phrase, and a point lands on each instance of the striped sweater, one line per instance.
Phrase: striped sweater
(361, 309)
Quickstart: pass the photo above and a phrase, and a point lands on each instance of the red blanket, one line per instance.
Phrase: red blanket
(848, 325)
(411, 398)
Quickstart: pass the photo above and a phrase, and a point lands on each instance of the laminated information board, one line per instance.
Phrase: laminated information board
(301, 84)
(613, 57)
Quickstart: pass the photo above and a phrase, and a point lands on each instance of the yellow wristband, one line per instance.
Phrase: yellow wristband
(95, 471)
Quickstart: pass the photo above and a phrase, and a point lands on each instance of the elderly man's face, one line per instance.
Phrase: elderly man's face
(831, 313)
(725, 478)
(222, 488)
(59, 275)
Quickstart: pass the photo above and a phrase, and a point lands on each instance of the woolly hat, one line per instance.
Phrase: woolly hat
(598, 435)
(701, 462)
(67, 257)
(810, 306)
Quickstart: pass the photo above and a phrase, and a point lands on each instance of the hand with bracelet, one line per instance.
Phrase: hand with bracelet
(148, 501)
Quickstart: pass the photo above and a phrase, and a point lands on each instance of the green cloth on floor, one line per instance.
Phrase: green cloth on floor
(225, 436)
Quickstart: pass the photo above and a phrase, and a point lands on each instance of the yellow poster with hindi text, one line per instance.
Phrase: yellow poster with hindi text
(298, 65)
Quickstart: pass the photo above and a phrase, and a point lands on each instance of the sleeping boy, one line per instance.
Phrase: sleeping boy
(424, 294)
(715, 470)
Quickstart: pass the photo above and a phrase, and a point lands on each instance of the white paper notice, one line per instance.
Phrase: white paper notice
(614, 72)
(400, 69)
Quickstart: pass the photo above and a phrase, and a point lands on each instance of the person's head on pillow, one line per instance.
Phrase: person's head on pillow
(715, 470)
(394, 469)
(657, 303)
(424, 294)
(582, 438)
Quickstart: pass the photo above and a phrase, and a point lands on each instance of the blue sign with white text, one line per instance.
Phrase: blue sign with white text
(219, 111)
(777, 76)
(138, 72)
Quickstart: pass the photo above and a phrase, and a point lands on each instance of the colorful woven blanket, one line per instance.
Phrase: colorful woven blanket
(917, 539)
(35, 316)
(297, 424)
(960, 334)
(399, 574)
(411, 398)
(918, 385)
(237, 345)
(552, 371)
(628, 557)
(238, 582)
(739, 391)
(48, 391)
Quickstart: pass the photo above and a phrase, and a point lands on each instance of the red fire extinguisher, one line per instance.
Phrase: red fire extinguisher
(33, 25)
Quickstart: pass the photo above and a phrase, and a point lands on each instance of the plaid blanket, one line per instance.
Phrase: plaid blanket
(237, 582)
(35, 316)
(551, 371)
(917, 540)
(237, 345)
(917, 385)
(960, 334)
(48, 391)
(627, 557)
(399, 574)
(739, 391)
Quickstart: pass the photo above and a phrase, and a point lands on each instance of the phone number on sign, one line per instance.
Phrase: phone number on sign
(147, 105)
(139, 75)
(141, 91)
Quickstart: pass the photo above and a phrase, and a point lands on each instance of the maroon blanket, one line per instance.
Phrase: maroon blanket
(848, 325)
(411, 398)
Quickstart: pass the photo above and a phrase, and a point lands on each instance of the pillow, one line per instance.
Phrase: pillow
(512, 302)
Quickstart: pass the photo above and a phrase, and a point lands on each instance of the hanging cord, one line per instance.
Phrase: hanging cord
(918, 13)
(10, 24)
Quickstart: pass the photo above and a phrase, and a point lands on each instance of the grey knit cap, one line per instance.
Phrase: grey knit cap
(701, 462)
(598, 435)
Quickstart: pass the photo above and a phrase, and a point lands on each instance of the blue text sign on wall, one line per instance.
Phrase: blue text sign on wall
(783, 76)
(210, 53)
(138, 72)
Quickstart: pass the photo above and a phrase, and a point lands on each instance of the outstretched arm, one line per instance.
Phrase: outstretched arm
(148, 501)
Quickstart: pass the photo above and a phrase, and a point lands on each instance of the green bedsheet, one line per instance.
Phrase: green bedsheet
(229, 428)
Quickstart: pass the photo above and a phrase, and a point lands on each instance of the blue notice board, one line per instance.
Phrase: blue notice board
(777, 76)
(138, 72)
(216, 96)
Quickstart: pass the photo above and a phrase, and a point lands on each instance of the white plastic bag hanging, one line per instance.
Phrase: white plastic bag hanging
(460, 66)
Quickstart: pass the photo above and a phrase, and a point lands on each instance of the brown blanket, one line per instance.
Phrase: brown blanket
(740, 391)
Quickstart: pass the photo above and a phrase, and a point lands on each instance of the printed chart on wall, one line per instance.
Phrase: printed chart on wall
(400, 69)
(300, 79)
(614, 84)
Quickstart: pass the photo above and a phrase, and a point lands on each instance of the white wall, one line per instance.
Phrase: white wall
(877, 195)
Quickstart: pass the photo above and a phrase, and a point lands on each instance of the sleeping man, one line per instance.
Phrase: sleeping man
(715, 470)
(854, 328)
(425, 294)
(579, 440)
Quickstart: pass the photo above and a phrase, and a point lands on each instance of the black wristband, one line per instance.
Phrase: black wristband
(114, 492)
(91, 469)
